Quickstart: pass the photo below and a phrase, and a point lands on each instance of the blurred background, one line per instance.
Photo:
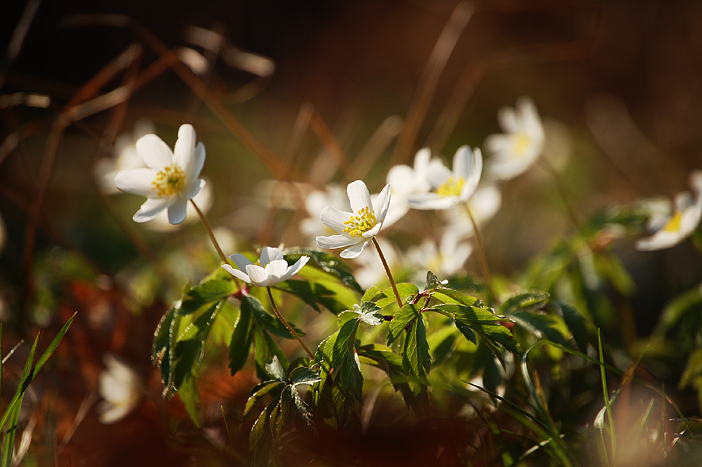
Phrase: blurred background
(308, 93)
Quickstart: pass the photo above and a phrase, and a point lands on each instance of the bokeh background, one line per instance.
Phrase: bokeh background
(618, 84)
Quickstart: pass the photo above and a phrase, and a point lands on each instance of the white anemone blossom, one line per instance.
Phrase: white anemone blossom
(406, 181)
(450, 187)
(683, 221)
(171, 177)
(446, 260)
(357, 228)
(513, 152)
(273, 269)
(120, 387)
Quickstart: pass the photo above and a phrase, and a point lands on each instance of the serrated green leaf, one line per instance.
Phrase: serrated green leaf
(333, 297)
(258, 392)
(466, 331)
(404, 289)
(448, 295)
(344, 361)
(527, 301)
(400, 320)
(432, 282)
(541, 324)
(260, 442)
(467, 314)
(416, 360)
(372, 294)
(264, 320)
(301, 375)
(207, 292)
(189, 394)
(265, 350)
(240, 345)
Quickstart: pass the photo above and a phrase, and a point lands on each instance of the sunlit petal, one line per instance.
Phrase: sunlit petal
(177, 210)
(359, 197)
(334, 219)
(336, 241)
(151, 208)
(155, 152)
(237, 273)
(354, 250)
(137, 181)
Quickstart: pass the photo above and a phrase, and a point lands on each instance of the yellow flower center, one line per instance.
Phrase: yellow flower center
(360, 224)
(452, 187)
(169, 181)
(521, 144)
(674, 223)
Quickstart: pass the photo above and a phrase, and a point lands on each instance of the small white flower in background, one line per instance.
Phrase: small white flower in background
(446, 260)
(357, 228)
(451, 187)
(406, 181)
(273, 269)
(125, 157)
(120, 387)
(513, 152)
(315, 202)
(484, 204)
(171, 177)
(681, 224)
(371, 271)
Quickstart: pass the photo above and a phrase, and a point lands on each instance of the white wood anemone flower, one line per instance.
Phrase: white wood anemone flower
(120, 387)
(683, 221)
(450, 187)
(406, 181)
(514, 151)
(357, 228)
(170, 179)
(273, 269)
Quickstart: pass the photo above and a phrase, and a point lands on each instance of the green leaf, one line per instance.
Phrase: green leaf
(384, 358)
(344, 361)
(467, 314)
(448, 295)
(265, 350)
(416, 360)
(540, 324)
(209, 291)
(327, 262)
(267, 387)
(372, 294)
(190, 396)
(404, 289)
(335, 297)
(577, 324)
(400, 320)
(260, 442)
(301, 375)
(242, 337)
(264, 320)
(432, 281)
(527, 301)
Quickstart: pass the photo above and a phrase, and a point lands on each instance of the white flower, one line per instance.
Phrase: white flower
(681, 224)
(512, 153)
(120, 387)
(204, 201)
(445, 260)
(273, 269)
(406, 181)
(357, 228)
(125, 156)
(450, 187)
(315, 203)
(483, 205)
(171, 177)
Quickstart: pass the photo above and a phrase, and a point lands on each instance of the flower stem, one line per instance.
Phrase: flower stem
(210, 232)
(387, 271)
(287, 325)
(481, 254)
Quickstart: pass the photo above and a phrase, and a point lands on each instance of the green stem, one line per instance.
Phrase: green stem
(387, 271)
(210, 232)
(482, 259)
(287, 325)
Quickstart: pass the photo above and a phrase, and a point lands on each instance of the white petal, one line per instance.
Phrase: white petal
(507, 169)
(237, 273)
(177, 210)
(334, 219)
(396, 211)
(337, 241)
(421, 159)
(184, 151)
(276, 269)
(257, 274)
(431, 201)
(437, 173)
(241, 261)
(473, 177)
(151, 208)
(402, 179)
(372, 232)
(508, 120)
(354, 250)
(269, 254)
(295, 268)
(382, 203)
(660, 240)
(191, 189)
(109, 413)
(137, 181)
(155, 152)
(359, 197)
